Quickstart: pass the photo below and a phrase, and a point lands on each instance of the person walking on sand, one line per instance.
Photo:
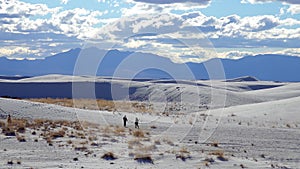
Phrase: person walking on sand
(8, 119)
(125, 120)
(136, 123)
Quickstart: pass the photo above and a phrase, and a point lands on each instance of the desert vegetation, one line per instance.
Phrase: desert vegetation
(99, 104)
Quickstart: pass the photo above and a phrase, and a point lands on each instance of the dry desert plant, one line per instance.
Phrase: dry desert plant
(220, 155)
(183, 154)
(57, 134)
(21, 138)
(143, 158)
(138, 133)
(7, 131)
(109, 156)
(214, 144)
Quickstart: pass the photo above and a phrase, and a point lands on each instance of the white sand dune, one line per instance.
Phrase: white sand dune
(258, 127)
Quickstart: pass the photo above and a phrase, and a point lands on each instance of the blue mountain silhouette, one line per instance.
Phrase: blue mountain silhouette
(114, 63)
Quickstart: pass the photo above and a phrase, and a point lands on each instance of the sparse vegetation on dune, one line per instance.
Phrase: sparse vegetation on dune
(49, 130)
(99, 104)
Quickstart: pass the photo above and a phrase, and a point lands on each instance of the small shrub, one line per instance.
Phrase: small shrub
(215, 144)
(81, 148)
(10, 162)
(92, 138)
(109, 156)
(242, 166)
(184, 154)
(217, 153)
(7, 131)
(184, 150)
(138, 133)
(94, 144)
(49, 141)
(57, 134)
(222, 158)
(21, 139)
(143, 158)
(209, 160)
(21, 129)
(220, 155)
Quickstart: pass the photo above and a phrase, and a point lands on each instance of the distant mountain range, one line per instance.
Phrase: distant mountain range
(269, 67)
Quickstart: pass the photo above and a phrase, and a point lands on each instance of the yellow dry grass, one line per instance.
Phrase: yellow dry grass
(99, 104)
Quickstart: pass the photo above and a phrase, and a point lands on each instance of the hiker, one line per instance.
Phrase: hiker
(136, 123)
(125, 120)
(8, 119)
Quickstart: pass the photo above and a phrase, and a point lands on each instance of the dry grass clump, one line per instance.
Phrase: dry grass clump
(57, 134)
(50, 130)
(21, 139)
(10, 162)
(92, 138)
(7, 131)
(214, 144)
(18, 122)
(81, 148)
(220, 155)
(144, 158)
(138, 133)
(183, 154)
(14, 126)
(49, 141)
(242, 166)
(21, 129)
(109, 156)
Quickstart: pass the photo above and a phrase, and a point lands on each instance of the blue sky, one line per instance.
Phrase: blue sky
(170, 28)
